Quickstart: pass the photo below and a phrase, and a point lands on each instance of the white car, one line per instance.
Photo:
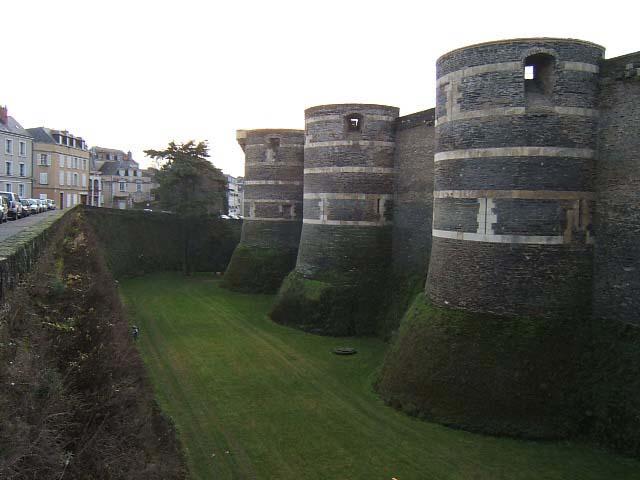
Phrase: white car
(32, 204)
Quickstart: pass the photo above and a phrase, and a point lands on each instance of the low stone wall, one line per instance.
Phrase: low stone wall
(20, 252)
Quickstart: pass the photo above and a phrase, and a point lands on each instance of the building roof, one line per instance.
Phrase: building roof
(12, 126)
(105, 149)
(111, 168)
(41, 135)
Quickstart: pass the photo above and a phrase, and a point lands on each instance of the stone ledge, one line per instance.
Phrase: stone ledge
(19, 252)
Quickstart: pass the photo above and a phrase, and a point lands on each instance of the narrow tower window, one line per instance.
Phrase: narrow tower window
(539, 78)
(273, 144)
(353, 123)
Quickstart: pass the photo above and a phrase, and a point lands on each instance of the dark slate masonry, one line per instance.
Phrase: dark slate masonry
(272, 209)
(526, 172)
(413, 194)
(616, 287)
(348, 197)
(349, 176)
(514, 161)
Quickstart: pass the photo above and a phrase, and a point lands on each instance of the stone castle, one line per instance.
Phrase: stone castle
(519, 194)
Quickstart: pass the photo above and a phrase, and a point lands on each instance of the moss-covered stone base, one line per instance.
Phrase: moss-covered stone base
(326, 308)
(535, 378)
(510, 376)
(258, 270)
(401, 290)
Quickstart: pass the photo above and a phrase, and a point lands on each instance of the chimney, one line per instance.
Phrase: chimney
(4, 115)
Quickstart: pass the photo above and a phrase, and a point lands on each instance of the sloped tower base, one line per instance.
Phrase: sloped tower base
(258, 270)
(339, 285)
(497, 375)
(522, 377)
(325, 308)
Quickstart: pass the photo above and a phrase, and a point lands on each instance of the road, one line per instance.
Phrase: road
(12, 227)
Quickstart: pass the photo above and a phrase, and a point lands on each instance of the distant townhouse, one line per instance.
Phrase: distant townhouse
(61, 164)
(15, 156)
(123, 183)
(235, 195)
(96, 196)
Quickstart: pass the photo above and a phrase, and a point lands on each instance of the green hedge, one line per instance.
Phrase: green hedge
(137, 242)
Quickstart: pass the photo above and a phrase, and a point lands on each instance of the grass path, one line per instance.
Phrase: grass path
(284, 407)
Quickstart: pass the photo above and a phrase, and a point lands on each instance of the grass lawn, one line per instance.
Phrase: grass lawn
(252, 399)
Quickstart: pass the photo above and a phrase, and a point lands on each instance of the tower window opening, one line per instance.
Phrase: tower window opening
(528, 72)
(273, 144)
(539, 78)
(353, 123)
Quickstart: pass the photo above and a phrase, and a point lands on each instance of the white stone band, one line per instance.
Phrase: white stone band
(333, 118)
(357, 223)
(347, 196)
(269, 200)
(522, 194)
(494, 238)
(349, 143)
(511, 111)
(514, 152)
(272, 182)
(282, 145)
(479, 70)
(510, 67)
(273, 164)
(267, 219)
(379, 170)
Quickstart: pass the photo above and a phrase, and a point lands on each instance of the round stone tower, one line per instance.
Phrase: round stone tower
(345, 244)
(513, 189)
(272, 210)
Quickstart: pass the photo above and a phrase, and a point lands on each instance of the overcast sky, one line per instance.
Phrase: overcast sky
(136, 74)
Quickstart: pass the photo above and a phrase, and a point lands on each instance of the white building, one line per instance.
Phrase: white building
(16, 150)
(235, 195)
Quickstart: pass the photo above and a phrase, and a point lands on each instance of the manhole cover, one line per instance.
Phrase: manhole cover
(344, 351)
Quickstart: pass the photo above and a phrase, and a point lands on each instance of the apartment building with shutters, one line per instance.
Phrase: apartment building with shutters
(121, 180)
(16, 146)
(61, 166)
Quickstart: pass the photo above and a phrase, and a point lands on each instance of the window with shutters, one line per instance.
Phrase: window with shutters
(44, 178)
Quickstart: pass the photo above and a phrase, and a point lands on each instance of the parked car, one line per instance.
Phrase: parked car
(51, 204)
(4, 209)
(25, 211)
(35, 205)
(42, 204)
(29, 205)
(13, 202)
